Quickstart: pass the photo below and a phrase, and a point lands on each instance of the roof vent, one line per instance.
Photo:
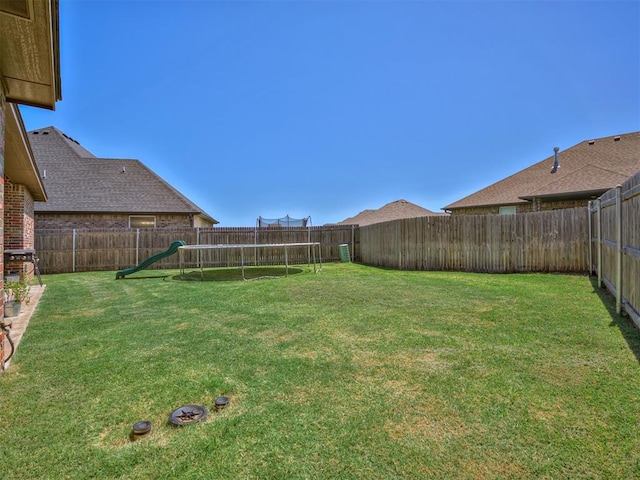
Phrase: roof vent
(123, 170)
(35, 133)
(45, 133)
(556, 162)
(591, 142)
(616, 139)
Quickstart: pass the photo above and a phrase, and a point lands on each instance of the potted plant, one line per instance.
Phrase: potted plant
(15, 293)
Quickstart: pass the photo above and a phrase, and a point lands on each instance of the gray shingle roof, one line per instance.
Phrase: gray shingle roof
(77, 181)
(588, 168)
(391, 211)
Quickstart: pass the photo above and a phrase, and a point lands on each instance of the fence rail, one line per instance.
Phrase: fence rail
(614, 254)
(63, 251)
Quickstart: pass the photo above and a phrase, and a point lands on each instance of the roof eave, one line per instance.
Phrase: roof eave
(520, 201)
(595, 193)
(35, 81)
(20, 164)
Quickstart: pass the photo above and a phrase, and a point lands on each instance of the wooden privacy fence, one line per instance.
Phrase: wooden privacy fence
(551, 241)
(63, 251)
(614, 254)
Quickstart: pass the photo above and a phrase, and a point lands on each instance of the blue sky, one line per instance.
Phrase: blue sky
(327, 108)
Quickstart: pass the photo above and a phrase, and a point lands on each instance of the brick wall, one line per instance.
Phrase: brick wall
(18, 224)
(52, 221)
(523, 208)
(18, 216)
(2, 126)
(564, 204)
(494, 210)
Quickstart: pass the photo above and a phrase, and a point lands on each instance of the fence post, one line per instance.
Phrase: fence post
(137, 246)
(353, 242)
(255, 242)
(618, 249)
(599, 241)
(73, 251)
(590, 234)
(398, 237)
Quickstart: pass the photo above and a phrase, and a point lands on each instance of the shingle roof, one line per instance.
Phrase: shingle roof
(391, 211)
(77, 181)
(588, 168)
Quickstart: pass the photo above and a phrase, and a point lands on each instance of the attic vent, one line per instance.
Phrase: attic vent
(45, 133)
(616, 139)
(72, 139)
(35, 133)
(591, 142)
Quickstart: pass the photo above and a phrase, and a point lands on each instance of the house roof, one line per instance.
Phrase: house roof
(78, 181)
(391, 211)
(589, 168)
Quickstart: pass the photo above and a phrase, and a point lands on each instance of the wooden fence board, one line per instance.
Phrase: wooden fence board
(553, 241)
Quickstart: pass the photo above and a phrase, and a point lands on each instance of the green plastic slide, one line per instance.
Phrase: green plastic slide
(173, 248)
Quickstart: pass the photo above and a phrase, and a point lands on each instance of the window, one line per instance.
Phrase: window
(142, 221)
(510, 210)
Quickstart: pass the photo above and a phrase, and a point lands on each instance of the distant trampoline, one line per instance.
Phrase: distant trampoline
(283, 222)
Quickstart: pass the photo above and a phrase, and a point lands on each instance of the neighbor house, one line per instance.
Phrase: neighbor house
(89, 192)
(391, 211)
(584, 172)
(29, 75)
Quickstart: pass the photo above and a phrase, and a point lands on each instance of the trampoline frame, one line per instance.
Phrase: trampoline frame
(200, 248)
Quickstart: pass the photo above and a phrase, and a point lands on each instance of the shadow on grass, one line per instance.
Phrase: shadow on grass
(234, 274)
(624, 324)
(160, 275)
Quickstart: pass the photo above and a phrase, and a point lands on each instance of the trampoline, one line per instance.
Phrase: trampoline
(314, 248)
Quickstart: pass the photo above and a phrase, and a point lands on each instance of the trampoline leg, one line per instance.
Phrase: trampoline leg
(242, 261)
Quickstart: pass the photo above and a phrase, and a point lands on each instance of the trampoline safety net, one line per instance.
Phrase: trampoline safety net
(284, 222)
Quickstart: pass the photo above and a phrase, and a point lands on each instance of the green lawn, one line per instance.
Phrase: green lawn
(354, 372)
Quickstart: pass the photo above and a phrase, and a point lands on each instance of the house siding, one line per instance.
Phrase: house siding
(200, 222)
